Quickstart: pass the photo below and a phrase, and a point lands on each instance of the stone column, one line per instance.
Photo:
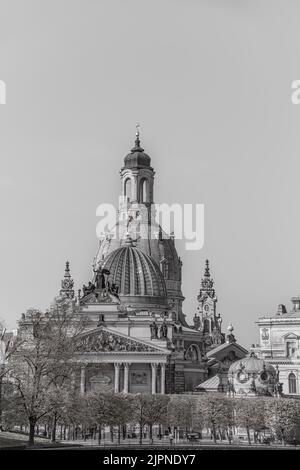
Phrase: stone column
(153, 385)
(162, 378)
(82, 379)
(126, 376)
(117, 377)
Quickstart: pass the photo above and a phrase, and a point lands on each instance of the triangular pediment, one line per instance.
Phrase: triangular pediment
(226, 353)
(105, 340)
(290, 336)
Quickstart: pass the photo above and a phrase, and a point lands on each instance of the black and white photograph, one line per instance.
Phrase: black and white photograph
(149, 231)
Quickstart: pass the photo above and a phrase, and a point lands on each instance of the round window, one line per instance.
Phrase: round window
(264, 376)
(242, 377)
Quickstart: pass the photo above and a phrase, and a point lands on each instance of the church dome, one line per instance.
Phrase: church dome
(137, 158)
(251, 364)
(252, 376)
(136, 274)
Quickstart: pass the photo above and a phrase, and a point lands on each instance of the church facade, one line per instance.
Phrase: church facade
(137, 339)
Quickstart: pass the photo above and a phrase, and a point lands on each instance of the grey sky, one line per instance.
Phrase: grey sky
(209, 81)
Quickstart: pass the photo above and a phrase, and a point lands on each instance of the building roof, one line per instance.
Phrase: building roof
(224, 346)
(251, 364)
(213, 384)
(137, 158)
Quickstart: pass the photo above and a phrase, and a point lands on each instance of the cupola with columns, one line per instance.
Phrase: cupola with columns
(137, 176)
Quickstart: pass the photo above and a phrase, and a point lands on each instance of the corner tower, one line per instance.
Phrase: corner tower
(208, 321)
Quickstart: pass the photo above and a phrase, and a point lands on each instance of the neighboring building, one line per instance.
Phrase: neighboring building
(133, 304)
(279, 345)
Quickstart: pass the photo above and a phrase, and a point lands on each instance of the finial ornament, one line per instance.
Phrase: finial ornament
(67, 283)
(207, 283)
(137, 147)
(137, 130)
(207, 273)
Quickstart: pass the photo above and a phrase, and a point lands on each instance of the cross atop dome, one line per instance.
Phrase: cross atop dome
(137, 147)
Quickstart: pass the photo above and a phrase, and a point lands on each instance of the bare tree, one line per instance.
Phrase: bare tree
(44, 358)
(250, 414)
(149, 410)
(218, 414)
(180, 412)
(155, 411)
(7, 346)
(282, 415)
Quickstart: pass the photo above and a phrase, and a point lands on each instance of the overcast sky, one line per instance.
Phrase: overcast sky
(210, 83)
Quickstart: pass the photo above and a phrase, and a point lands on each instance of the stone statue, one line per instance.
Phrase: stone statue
(88, 289)
(278, 389)
(100, 280)
(154, 330)
(163, 331)
(112, 291)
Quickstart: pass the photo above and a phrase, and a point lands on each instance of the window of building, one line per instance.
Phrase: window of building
(292, 383)
(291, 348)
(164, 266)
(143, 190)
(127, 189)
(206, 328)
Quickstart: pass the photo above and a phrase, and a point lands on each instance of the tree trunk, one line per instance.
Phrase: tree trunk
(141, 435)
(99, 435)
(53, 431)
(213, 429)
(283, 437)
(248, 435)
(119, 434)
(151, 433)
(111, 434)
(32, 423)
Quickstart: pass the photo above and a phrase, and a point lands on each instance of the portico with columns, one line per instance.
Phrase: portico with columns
(123, 377)
(112, 361)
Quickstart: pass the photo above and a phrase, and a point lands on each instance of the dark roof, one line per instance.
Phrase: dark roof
(137, 158)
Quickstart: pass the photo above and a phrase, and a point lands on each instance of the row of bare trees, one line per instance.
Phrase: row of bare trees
(79, 417)
(37, 390)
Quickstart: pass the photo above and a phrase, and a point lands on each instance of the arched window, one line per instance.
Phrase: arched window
(192, 353)
(127, 188)
(164, 266)
(143, 190)
(206, 328)
(292, 383)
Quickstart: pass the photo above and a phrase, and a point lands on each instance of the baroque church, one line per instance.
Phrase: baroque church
(137, 338)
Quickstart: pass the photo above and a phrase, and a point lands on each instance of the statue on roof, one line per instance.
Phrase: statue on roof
(154, 330)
